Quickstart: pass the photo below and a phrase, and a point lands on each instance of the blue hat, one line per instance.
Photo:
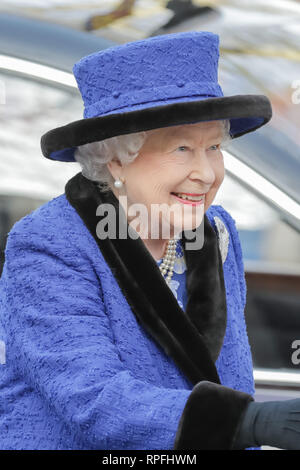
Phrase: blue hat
(161, 81)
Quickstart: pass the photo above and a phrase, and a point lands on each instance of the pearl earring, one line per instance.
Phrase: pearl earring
(118, 183)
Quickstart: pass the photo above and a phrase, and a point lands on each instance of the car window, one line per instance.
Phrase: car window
(264, 236)
(28, 109)
(271, 255)
(274, 150)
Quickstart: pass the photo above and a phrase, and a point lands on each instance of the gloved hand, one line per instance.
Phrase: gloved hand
(272, 423)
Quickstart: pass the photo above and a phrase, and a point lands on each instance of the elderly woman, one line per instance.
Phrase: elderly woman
(119, 336)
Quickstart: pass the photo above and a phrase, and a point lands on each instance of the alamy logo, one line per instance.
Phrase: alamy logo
(2, 92)
(296, 93)
(139, 223)
(2, 352)
(296, 354)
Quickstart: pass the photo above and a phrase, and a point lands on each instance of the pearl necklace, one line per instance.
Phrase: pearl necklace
(169, 260)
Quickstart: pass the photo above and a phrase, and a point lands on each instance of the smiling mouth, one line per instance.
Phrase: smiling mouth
(189, 197)
(187, 200)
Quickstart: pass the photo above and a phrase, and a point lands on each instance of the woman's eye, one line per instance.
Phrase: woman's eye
(184, 148)
(215, 147)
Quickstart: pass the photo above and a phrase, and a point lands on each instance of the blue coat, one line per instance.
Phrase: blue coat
(99, 355)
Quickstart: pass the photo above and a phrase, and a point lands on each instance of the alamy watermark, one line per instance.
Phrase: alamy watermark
(164, 222)
(296, 354)
(2, 92)
(296, 93)
(2, 352)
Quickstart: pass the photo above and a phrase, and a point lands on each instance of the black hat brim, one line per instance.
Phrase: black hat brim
(245, 112)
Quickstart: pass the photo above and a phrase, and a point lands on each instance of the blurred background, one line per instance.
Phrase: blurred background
(259, 54)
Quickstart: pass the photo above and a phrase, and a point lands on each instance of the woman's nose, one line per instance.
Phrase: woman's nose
(202, 169)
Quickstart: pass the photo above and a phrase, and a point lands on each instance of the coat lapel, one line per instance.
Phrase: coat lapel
(193, 339)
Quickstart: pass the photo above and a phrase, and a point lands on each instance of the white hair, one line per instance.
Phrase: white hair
(93, 157)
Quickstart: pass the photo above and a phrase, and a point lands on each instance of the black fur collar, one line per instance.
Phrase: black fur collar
(193, 339)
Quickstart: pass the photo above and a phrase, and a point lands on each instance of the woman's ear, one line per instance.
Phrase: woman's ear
(114, 167)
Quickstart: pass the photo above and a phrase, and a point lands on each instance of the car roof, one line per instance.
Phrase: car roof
(21, 37)
(54, 46)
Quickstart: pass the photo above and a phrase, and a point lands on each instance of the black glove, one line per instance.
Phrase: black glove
(272, 423)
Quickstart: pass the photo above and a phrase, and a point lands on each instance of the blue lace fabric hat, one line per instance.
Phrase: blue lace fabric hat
(156, 82)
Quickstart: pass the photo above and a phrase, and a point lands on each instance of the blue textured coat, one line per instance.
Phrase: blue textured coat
(82, 370)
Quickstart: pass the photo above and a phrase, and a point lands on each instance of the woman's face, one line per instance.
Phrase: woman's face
(180, 159)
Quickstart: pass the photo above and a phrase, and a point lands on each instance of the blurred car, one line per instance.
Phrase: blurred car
(261, 188)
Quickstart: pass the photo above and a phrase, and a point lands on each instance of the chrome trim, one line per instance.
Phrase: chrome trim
(257, 183)
(276, 378)
(33, 69)
(272, 267)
